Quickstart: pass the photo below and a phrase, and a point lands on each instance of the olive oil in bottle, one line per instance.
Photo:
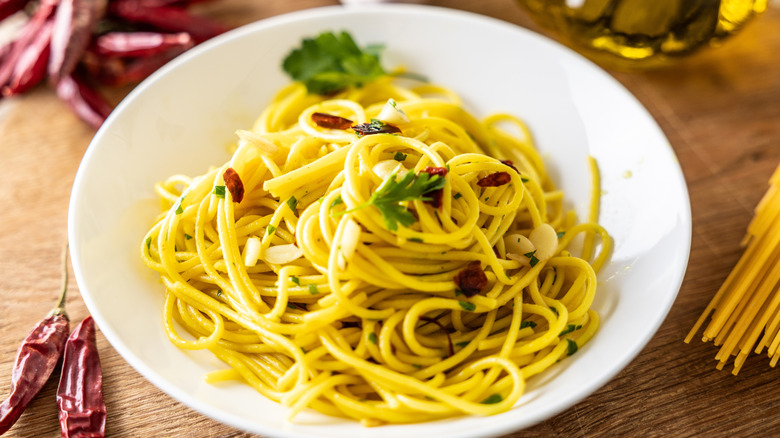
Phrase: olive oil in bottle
(638, 34)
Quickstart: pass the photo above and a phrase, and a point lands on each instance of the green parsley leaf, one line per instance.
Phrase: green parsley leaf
(313, 289)
(560, 234)
(332, 62)
(179, 208)
(458, 195)
(219, 191)
(295, 280)
(337, 201)
(462, 343)
(372, 337)
(270, 230)
(415, 239)
(572, 347)
(392, 192)
(290, 306)
(149, 245)
(570, 328)
(187, 236)
(417, 365)
(292, 203)
(554, 310)
(524, 324)
(467, 305)
(524, 179)
(399, 156)
(493, 399)
(531, 257)
(219, 292)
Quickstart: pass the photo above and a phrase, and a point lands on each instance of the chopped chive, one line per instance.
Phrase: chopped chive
(399, 156)
(313, 289)
(532, 258)
(572, 347)
(415, 239)
(570, 328)
(219, 191)
(270, 230)
(292, 203)
(458, 195)
(187, 236)
(295, 280)
(493, 399)
(467, 305)
(372, 337)
(524, 324)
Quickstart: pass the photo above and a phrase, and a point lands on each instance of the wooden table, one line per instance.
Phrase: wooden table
(720, 110)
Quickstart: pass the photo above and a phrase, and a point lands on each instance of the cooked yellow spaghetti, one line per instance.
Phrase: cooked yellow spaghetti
(746, 309)
(321, 290)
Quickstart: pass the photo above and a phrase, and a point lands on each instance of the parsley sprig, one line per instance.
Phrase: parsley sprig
(332, 62)
(389, 195)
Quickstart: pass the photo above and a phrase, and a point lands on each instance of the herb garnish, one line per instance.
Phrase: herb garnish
(389, 195)
(333, 62)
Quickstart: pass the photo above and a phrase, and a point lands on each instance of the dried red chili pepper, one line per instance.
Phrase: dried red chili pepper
(159, 3)
(444, 329)
(330, 121)
(73, 25)
(495, 180)
(234, 184)
(82, 410)
(10, 7)
(36, 358)
(375, 127)
(30, 67)
(471, 279)
(167, 18)
(140, 43)
(510, 164)
(435, 196)
(21, 44)
(119, 71)
(85, 101)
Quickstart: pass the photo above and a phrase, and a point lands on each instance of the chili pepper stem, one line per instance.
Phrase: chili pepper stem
(60, 308)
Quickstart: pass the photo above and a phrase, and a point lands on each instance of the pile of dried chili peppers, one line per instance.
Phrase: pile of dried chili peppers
(80, 44)
(82, 411)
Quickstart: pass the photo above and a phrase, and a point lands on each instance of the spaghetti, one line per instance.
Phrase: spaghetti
(745, 312)
(321, 293)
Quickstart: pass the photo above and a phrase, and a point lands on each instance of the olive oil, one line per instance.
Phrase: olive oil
(638, 34)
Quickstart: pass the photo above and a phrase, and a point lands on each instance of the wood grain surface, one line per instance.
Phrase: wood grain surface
(721, 112)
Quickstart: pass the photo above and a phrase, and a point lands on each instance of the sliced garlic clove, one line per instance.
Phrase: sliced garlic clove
(385, 168)
(281, 254)
(391, 113)
(266, 147)
(518, 244)
(545, 240)
(251, 251)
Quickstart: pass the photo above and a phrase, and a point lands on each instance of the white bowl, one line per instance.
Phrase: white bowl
(180, 120)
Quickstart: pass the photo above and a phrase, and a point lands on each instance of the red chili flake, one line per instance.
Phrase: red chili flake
(435, 195)
(495, 180)
(330, 121)
(510, 164)
(471, 279)
(444, 329)
(234, 184)
(376, 127)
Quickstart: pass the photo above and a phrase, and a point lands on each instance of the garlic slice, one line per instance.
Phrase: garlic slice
(391, 113)
(266, 147)
(281, 254)
(545, 240)
(385, 168)
(251, 251)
